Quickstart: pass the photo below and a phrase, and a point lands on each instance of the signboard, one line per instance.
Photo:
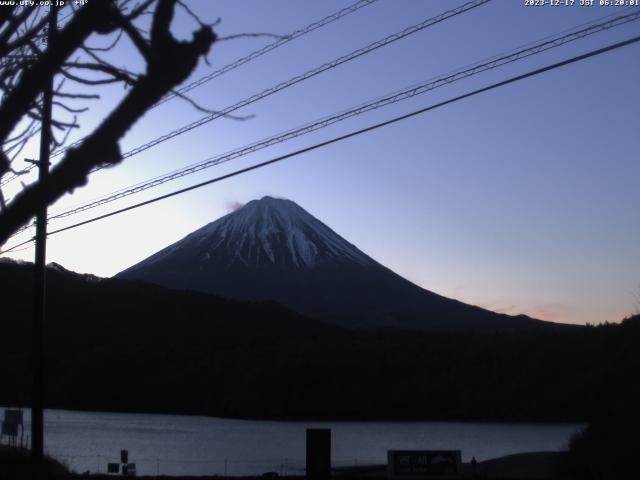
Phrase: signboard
(113, 468)
(437, 464)
(129, 470)
(13, 416)
(124, 456)
(10, 429)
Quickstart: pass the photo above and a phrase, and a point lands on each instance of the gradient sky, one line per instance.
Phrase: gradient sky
(521, 200)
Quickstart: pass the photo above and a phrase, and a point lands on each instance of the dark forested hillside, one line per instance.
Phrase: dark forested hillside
(120, 345)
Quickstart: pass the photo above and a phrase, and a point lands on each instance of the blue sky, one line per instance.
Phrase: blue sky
(521, 200)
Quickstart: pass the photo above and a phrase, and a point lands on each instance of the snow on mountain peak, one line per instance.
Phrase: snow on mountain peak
(267, 231)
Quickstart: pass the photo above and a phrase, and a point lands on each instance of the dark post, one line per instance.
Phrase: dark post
(318, 453)
(39, 285)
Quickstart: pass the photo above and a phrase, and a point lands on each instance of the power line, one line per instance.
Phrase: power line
(305, 76)
(233, 65)
(492, 62)
(252, 56)
(16, 248)
(309, 74)
(571, 31)
(493, 86)
(292, 81)
(272, 46)
(355, 54)
(404, 94)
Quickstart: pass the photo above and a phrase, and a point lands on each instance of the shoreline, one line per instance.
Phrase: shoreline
(521, 466)
(311, 419)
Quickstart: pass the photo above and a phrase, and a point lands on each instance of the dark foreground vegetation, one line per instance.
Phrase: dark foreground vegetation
(15, 465)
(607, 448)
(125, 346)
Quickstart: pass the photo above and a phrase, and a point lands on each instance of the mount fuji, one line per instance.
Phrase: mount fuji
(272, 249)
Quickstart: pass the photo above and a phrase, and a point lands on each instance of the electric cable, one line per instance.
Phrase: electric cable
(233, 65)
(340, 138)
(298, 78)
(409, 92)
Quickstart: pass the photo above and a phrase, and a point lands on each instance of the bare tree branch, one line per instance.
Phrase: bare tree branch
(168, 63)
(32, 81)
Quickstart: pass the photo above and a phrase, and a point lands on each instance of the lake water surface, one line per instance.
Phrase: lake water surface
(186, 445)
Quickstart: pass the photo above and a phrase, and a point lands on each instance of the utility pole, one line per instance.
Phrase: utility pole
(40, 273)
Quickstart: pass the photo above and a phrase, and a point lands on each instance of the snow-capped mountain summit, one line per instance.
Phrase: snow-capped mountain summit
(270, 231)
(273, 249)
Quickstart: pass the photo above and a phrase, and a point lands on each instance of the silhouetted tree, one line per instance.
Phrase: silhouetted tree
(606, 449)
(28, 63)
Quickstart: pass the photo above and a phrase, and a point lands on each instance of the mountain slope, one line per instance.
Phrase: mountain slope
(272, 249)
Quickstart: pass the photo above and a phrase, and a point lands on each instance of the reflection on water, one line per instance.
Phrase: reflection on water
(183, 445)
